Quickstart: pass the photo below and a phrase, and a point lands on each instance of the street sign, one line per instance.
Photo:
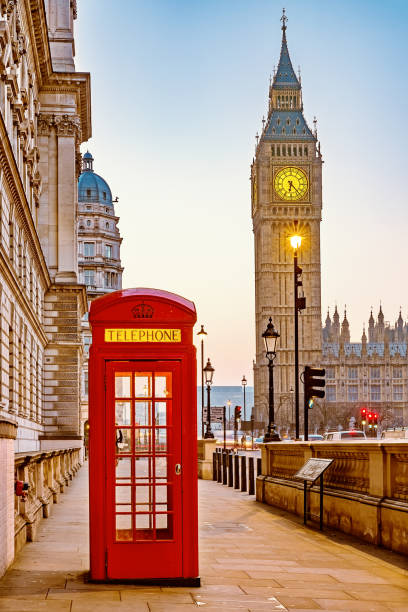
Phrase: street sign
(216, 414)
(247, 425)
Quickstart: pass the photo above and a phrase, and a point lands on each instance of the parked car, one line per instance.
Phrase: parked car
(352, 434)
(313, 437)
(396, 434)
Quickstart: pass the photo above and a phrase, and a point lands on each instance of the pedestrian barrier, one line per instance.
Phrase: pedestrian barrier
(235, 471)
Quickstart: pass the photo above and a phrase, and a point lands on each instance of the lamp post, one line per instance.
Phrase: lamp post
(229, 412)
(209, 373)
(202, 333)
(299, 304)
(244, 383)
(292, 393)
(270, 337)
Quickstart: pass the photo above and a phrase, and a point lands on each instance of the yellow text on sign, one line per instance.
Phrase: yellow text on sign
(142, 335)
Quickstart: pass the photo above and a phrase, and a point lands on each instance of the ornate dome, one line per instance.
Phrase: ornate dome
(91, 186)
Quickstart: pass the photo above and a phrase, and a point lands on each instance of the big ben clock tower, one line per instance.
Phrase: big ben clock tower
(286, 176)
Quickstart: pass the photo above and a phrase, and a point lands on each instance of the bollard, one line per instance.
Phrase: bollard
(251, 476)
(236, 472)
(215, 461)
(258, 466)
(230, 471)
(224, 468)
(219, 467)
(243, 474)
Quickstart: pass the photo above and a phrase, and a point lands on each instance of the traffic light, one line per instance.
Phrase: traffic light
(300, 299)
(363, 413)
(375, 420)
(313, 378)
(370, 420)
(238, 413)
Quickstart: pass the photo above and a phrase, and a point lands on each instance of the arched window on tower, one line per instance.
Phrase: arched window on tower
(305, 151)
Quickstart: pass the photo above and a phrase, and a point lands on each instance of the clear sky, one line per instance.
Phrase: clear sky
(178, 92)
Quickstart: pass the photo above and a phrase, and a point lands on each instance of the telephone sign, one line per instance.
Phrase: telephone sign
(142, 439)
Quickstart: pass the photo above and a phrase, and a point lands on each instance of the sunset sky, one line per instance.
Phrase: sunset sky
(178, 92)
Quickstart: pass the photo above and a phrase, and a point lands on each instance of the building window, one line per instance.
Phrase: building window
(88, 222)
(89, 277)
(352, 393)
(89, 208)
(89, 249)
(87, 344)
(397, 373)
(330, 373)
(88, 193)
(108, 250)
(107, 225)
(374, 372)
(86, 383)
(352, 373)
(397, 393)
(331, 393)
(375, 393)
(104, 195)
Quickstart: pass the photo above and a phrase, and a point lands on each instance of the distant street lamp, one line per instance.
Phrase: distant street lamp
(229, 412)
(299, 304)
(244, 383)
(209, 373)
(270, 337)
(202, 333)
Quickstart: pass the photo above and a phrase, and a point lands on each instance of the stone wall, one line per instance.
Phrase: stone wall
(366, 488)
(48, 474)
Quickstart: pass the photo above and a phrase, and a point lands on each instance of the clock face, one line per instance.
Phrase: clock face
(291, 184)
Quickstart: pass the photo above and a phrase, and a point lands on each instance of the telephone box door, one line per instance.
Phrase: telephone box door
(144, 473)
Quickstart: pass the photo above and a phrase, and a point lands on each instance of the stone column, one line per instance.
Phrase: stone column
(8, 433)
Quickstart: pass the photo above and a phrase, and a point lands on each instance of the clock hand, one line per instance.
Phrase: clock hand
(290, 185)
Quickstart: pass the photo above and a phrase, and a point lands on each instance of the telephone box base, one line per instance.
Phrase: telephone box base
(176, 582)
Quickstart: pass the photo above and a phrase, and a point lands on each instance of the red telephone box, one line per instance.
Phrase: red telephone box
(143, 439)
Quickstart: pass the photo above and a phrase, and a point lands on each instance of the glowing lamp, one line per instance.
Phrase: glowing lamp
(295, 242)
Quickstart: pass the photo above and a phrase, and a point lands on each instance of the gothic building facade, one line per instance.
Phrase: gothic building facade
(286, 178)
(372, 373)
(99, 240)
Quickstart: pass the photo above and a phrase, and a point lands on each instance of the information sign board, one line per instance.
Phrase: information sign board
(313, 468)
(216, 414)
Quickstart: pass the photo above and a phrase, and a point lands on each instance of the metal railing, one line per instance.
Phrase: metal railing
(235, 471)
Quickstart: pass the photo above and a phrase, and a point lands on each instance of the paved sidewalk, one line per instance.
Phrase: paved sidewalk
(252, 557)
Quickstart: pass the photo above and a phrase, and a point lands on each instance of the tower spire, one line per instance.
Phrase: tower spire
(284, 19)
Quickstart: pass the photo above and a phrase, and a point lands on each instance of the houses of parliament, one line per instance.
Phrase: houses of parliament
(286, 198)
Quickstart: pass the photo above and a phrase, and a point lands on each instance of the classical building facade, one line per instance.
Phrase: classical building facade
(286, 178)
(44, 117)
(372, 373)
(99, 240)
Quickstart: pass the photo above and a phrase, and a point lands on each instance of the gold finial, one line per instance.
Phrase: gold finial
(283, 20)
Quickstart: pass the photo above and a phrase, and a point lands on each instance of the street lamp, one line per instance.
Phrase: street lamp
(209, 373)
(202, 333)
(244, 383)
(270, 337)
(229, 412)
(299, 304)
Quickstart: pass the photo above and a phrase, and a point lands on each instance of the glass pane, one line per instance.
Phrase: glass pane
(143, 441)
(144, 527)
(122, 384)
(143, 384)
(123, 495)
(164, 526)
(143, 469)
(161, 440)
(123, 469)
(144, 498)
(161, 521)
(162, 384)
(122, 413)
(161, 468)
(123, 441)
(160, 410)
(124, 527)
(143, 413)
(161, 498)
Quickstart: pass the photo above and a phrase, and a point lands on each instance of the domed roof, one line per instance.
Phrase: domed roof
(91, 186)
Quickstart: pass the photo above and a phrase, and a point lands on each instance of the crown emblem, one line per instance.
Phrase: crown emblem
(142, 311)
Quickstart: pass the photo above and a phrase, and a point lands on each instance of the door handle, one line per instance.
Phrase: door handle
(177, 469)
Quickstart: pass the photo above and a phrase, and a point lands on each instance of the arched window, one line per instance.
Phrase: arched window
(88, 222)
(88, 193)
(107, 225)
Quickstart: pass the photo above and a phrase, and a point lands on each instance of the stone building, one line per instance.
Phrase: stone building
(372, 373)
(44, 117)
(286, 179)
(99, 240)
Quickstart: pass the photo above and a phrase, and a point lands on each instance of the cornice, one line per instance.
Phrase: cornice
(38, 31)
(74, 82)
(15, 186)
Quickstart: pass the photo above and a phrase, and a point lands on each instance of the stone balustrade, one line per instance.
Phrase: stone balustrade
(366, 487)
(47, 473)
